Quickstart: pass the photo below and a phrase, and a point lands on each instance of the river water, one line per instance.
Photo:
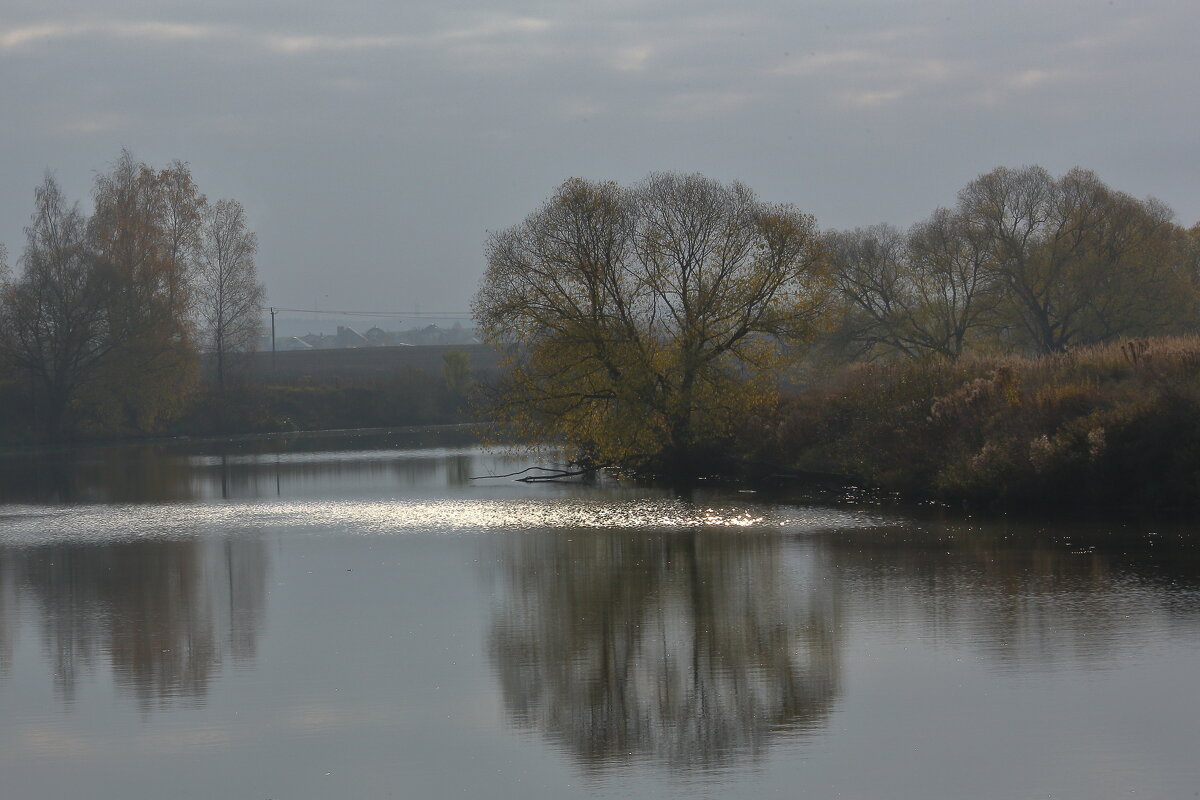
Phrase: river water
(363, 617)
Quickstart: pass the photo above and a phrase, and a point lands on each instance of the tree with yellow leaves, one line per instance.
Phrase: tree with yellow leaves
(645, 322)
(143, 236)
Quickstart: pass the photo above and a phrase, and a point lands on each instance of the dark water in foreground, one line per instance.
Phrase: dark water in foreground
(359, 619)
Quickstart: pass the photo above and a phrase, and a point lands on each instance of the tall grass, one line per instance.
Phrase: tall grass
(1103, 424)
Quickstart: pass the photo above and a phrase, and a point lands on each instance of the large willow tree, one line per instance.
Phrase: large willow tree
(645, 322)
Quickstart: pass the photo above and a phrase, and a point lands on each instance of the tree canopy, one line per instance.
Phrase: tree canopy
(645, 322)
(1024, 261)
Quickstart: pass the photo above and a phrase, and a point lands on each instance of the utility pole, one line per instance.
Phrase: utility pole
(272, 338)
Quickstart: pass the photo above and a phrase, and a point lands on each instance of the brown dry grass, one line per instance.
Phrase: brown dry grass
(1115, 423)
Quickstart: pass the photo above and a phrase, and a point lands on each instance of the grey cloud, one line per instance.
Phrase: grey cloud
(373, 143)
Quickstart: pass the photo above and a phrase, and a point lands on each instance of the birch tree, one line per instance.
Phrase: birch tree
(230, 296)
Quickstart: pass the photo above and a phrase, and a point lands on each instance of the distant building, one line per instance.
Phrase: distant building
(348, 337)
(378, 337)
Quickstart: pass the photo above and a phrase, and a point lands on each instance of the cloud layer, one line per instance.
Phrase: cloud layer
(374, 144)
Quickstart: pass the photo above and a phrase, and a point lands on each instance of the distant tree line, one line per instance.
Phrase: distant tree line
(104, 318)
(1023, 262)
(1033, 345)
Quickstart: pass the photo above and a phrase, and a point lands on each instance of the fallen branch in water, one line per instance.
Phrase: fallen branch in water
(556, 474)
(565, 473)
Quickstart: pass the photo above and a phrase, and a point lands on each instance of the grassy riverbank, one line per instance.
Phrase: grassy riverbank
(1103, 425)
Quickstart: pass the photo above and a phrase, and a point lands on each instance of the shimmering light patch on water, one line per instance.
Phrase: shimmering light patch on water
(39, 524)
(326, 457)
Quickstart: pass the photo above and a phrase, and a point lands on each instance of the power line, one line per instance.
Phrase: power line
(392, 314)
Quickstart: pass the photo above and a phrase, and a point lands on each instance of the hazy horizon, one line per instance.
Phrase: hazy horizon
(374, 145)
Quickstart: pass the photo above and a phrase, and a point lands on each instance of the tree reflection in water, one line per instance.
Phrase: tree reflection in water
(165, 614)
(8, 613)
(1070, 594)
(691, 649)
(96, 475)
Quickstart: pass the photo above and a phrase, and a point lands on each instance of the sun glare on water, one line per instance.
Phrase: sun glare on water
(32, 524)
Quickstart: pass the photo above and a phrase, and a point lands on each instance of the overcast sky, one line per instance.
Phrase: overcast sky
(374, 143)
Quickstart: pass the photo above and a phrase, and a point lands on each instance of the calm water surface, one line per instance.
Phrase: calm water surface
(358, 618)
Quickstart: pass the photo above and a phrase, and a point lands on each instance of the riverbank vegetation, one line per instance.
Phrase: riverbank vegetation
(1033, 343)
(1106, 424)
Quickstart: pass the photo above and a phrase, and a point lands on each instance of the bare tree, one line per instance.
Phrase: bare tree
(1077, 260)
(873, 282)
(651, 317)
(948, 261)
(230, 296)
(915, 294)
